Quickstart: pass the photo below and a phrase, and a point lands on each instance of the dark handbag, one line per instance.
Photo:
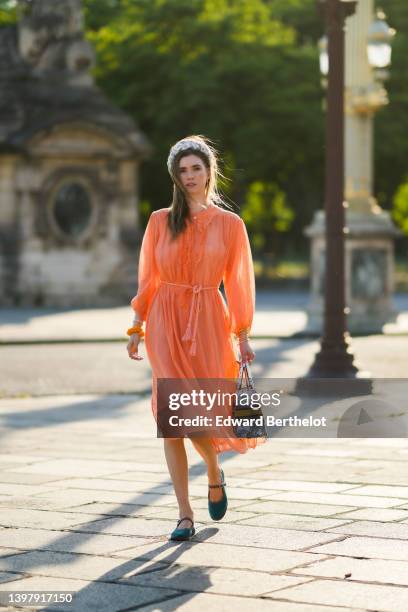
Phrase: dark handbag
(248, 420)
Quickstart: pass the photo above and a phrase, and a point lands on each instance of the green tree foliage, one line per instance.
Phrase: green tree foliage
(8, 10)
(100, 13)
(267, 216)
(391, 124)
(235, 71)
(400, 210)
(245, 73)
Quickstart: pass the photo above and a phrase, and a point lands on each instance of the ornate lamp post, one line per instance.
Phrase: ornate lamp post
(335, 358)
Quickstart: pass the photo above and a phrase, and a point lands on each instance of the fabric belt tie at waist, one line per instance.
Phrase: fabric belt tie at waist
(191, 329)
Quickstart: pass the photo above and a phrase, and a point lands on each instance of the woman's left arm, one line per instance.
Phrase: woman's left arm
(239, 284)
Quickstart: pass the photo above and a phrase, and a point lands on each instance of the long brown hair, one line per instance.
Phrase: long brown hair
(179, 211)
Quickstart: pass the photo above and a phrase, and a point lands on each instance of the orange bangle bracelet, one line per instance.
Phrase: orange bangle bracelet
(135, 330)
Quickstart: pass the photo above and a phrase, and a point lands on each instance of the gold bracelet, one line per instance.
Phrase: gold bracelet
(242, 335)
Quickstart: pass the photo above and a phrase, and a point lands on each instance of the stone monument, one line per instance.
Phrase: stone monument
(69, 163)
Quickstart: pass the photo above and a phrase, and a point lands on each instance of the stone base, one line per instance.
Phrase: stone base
(369, 271)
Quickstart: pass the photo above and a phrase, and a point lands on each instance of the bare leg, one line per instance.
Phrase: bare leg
(176, 459)
(204, 447)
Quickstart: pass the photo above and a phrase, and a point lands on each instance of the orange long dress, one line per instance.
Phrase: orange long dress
(188, 324)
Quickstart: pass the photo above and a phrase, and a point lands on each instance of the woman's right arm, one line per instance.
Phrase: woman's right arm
(148, 276)
(134, 339)
(148, 280)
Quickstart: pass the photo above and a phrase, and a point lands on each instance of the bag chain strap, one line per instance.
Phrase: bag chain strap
(245, 371)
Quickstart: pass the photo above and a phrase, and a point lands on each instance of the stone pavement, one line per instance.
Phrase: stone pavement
(86, 504)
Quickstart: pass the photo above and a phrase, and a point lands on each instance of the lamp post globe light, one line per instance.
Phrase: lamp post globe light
(379, 47)
(323, 56)
(369, 230)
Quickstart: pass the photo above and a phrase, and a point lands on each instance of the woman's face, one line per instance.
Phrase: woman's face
(193, 174)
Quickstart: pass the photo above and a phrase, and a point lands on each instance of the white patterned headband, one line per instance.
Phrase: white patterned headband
(185, 144)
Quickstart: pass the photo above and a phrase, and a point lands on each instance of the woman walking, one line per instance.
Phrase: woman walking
(187, 250)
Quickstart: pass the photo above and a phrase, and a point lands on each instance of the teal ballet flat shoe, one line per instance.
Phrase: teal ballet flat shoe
(185, 533)
(218, 509)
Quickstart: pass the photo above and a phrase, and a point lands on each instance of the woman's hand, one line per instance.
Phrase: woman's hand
(133, 347)
(247, 354)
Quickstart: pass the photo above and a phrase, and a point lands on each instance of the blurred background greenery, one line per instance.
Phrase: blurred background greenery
(246, 74)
